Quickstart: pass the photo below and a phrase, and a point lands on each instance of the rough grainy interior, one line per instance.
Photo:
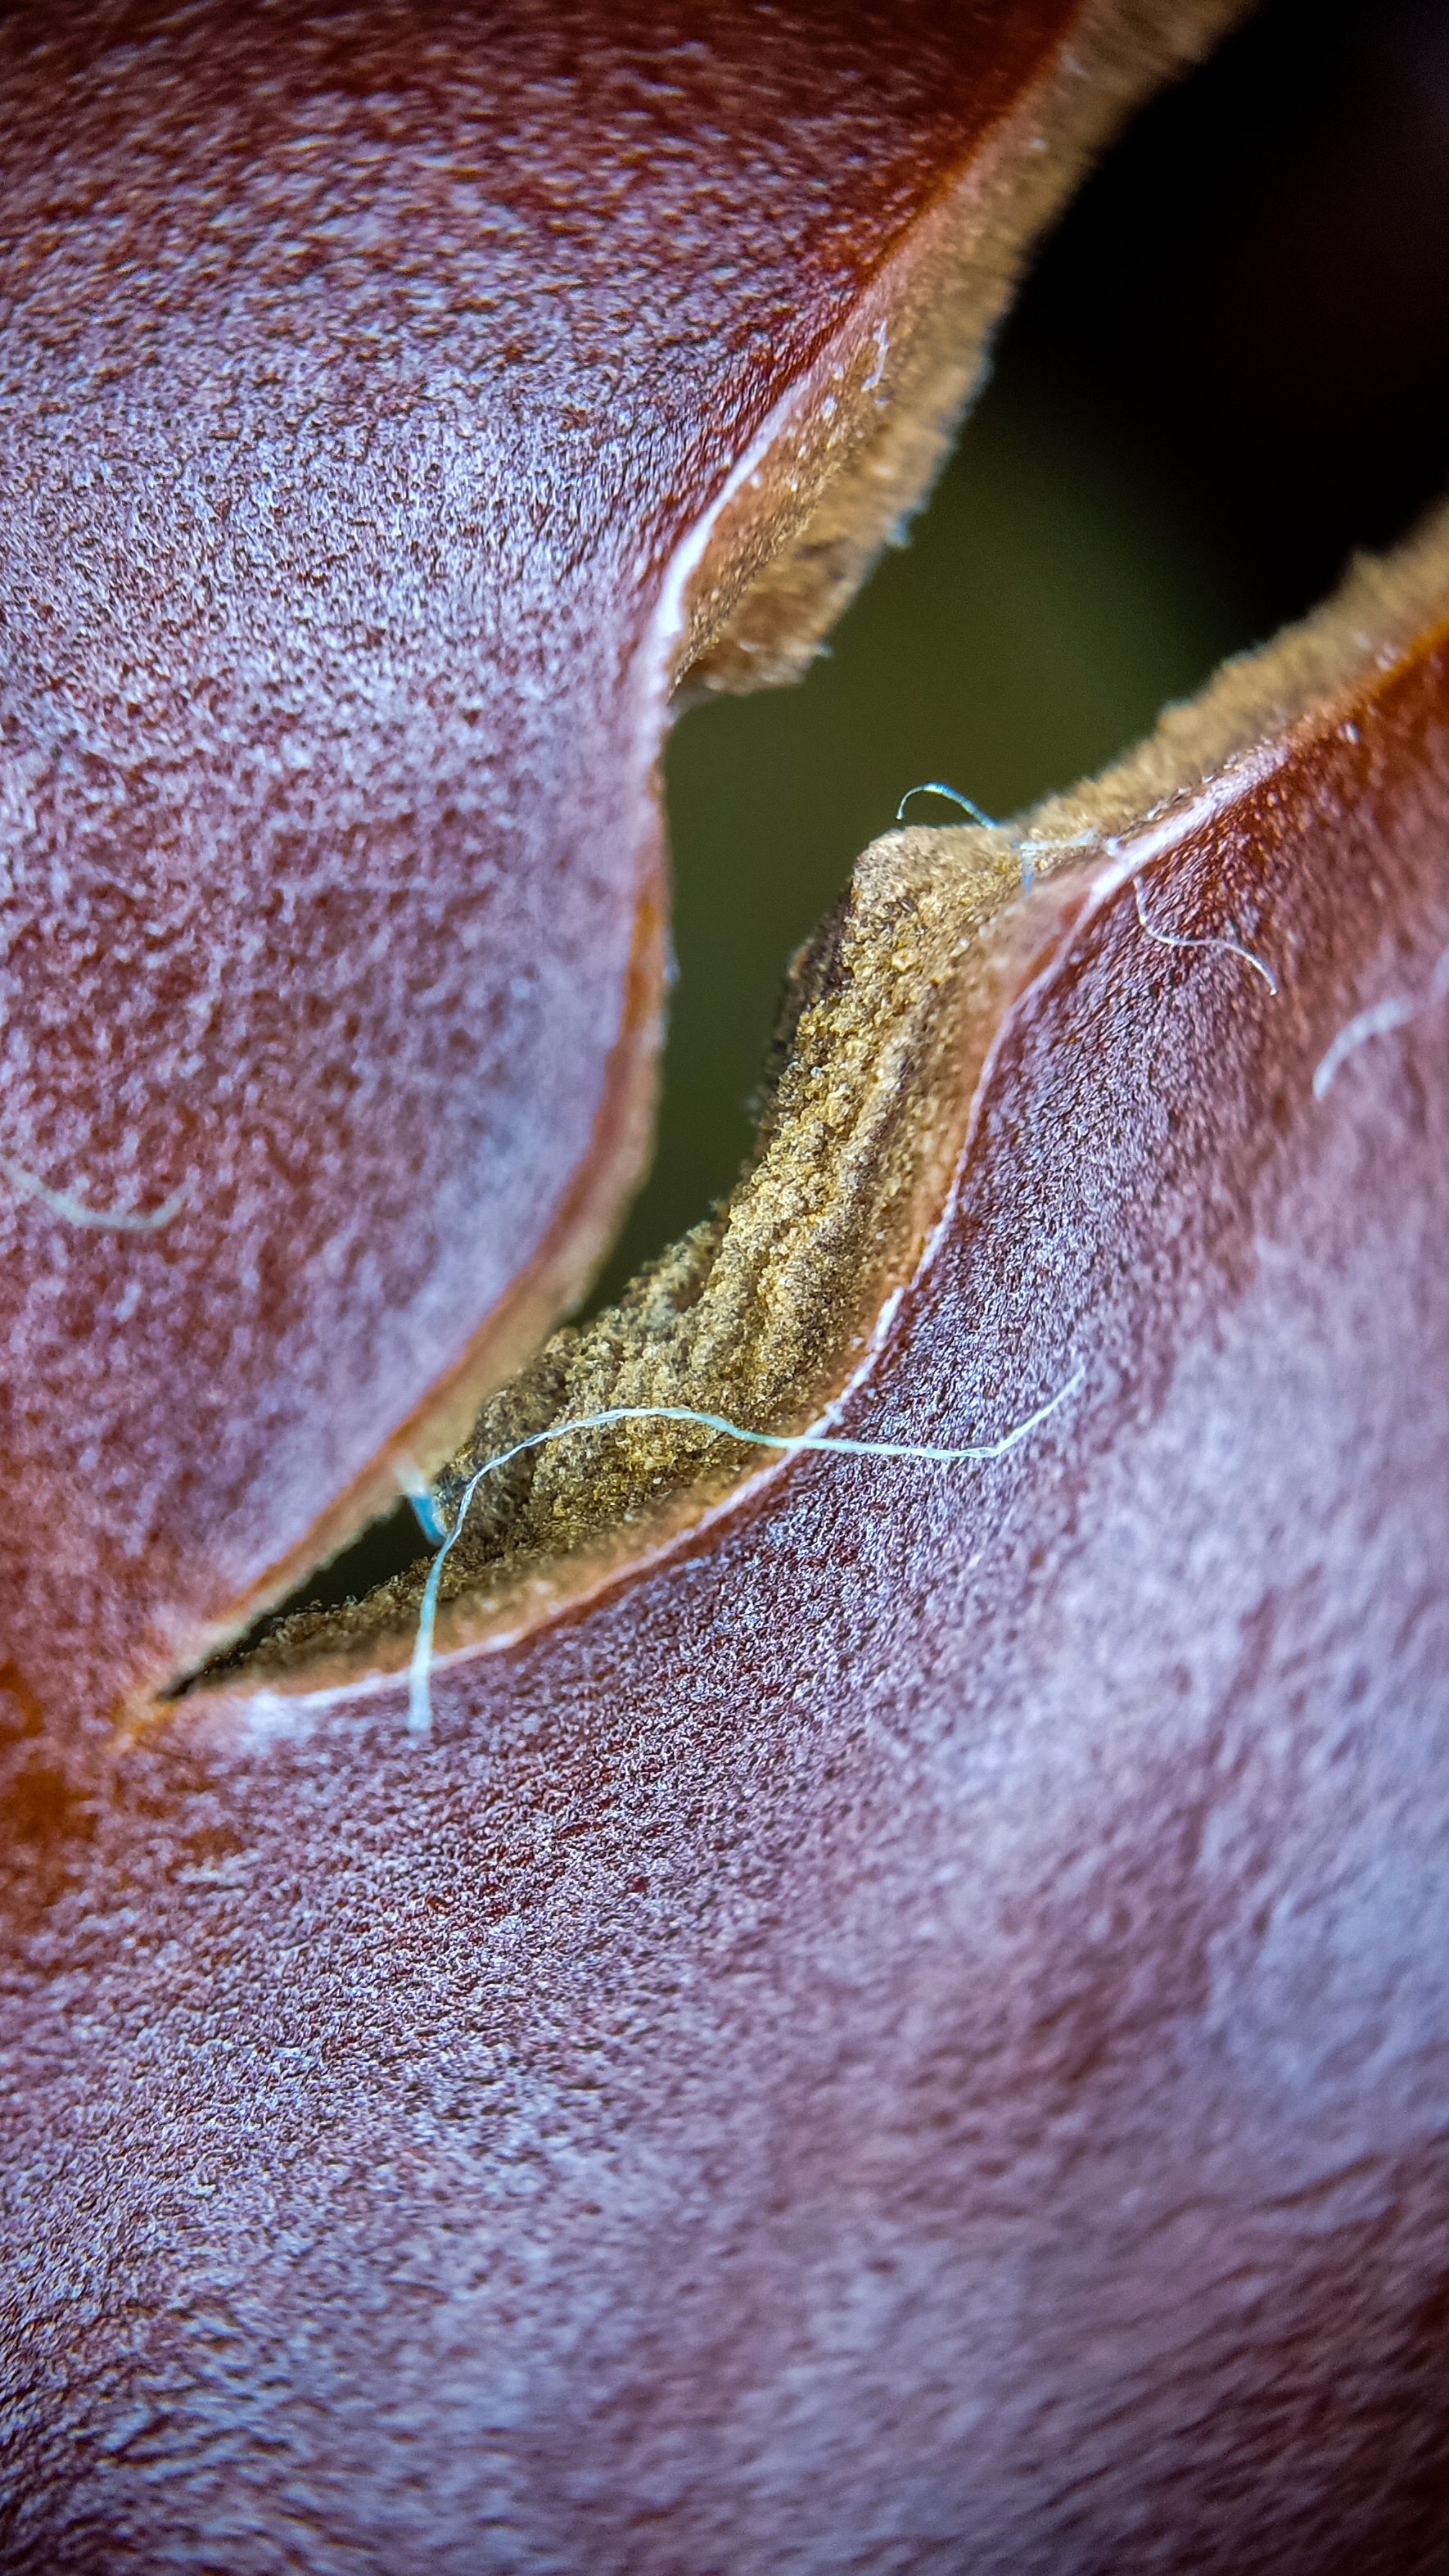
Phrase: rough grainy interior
(761, 1311)
(759, 546)
(824, 508)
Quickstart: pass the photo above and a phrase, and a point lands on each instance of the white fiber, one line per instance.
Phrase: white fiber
(420, 1714)
(1376, 1022)
(63, 1203)
(1174, 939)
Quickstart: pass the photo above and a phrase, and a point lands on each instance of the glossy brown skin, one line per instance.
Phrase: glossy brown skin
(911, 2034)
(363, 375)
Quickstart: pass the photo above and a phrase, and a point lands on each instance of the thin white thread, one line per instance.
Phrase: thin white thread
(938, 787)
(1174, 939)
(420, 1711)
(414, 1487)
(1376, 1022)
(63, 1203)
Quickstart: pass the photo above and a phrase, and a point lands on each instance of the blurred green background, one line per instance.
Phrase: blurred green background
(1055, 592)
(1228, 369)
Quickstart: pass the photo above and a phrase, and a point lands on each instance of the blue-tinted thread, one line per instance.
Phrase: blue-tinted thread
(420, 1714)
(1376, 1022)
(938, 787)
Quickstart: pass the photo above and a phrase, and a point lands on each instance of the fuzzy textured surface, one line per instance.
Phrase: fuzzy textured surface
(908, 2032)
(367, 377)
(897, 2022)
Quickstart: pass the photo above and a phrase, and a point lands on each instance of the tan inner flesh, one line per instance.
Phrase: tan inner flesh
(762, 1312)
(856, 444)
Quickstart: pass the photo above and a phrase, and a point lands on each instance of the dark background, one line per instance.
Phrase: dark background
(1229, 369)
